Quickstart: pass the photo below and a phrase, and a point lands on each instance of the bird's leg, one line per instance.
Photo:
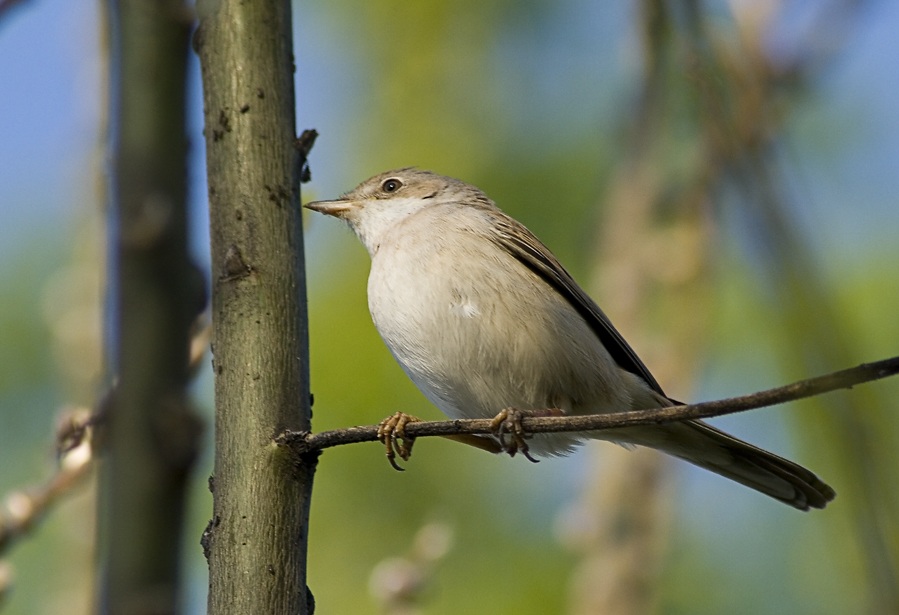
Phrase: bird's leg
(392, 434)
(508, 421)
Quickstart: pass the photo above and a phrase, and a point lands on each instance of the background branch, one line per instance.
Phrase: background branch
(78, 432)
(23, 508)
(151, 433)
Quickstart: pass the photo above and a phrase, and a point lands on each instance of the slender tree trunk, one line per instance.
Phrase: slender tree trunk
(623, 557)
(256, 541)
(151, 436)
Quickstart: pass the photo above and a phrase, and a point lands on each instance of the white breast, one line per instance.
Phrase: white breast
(479, 332)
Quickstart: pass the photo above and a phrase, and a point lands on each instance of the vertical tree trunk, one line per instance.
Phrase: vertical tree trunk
(256, 541)
(152, 436)
(623, 556)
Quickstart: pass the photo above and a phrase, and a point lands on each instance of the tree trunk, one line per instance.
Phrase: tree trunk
(256, 541)
(151, 438)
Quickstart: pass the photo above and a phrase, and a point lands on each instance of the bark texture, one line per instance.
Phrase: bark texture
(256, 540)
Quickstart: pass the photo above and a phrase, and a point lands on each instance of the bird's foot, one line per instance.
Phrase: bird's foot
(392, 434)
(508, 422)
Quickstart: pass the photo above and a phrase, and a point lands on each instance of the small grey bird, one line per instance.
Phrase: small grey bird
(487, 323)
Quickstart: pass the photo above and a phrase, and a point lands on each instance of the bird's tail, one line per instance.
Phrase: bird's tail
(712, 449)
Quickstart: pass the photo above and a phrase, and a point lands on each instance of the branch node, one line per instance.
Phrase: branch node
(234, 266)
(298, 444)
(303, 144)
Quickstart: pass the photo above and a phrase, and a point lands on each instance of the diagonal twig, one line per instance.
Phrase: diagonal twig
(76, 444)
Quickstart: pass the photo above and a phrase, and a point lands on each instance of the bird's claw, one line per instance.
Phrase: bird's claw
(508, 421)
(392, 434)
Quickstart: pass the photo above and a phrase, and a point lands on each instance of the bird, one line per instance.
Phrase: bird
(487, 323)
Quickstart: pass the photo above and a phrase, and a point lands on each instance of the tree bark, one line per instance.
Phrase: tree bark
(256, 540)
(152, 435)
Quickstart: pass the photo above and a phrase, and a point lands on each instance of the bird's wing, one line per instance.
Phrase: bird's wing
(530, 251)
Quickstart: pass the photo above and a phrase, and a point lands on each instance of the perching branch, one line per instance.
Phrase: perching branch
(305, 443)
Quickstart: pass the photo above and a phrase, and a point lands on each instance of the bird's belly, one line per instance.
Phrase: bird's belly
(476, 349)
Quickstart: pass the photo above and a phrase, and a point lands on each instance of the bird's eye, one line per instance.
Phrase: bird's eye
(391, 185)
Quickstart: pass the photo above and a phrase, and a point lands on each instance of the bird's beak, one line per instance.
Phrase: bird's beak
(336, 207)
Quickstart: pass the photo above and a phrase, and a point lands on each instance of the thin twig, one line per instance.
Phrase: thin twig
(76, 442)
(22, 508)
(309, 443)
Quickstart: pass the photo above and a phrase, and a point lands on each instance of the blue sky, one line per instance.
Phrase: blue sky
(52, 82)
